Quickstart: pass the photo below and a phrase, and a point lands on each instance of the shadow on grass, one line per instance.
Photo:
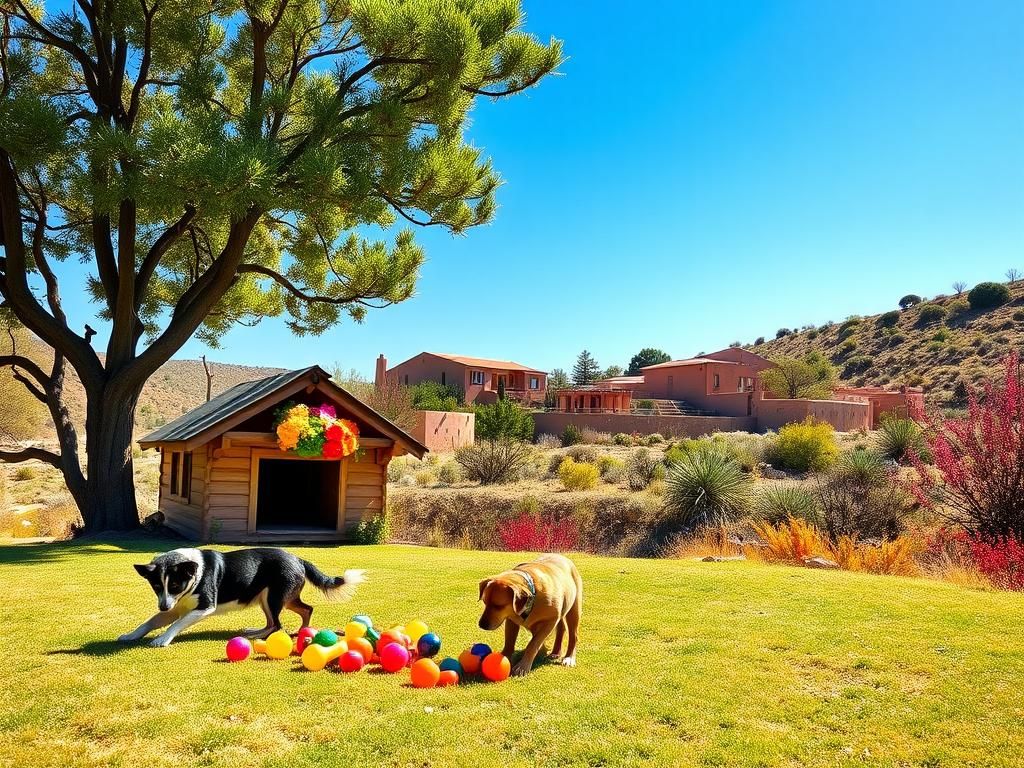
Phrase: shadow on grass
(32, 554)
(113, 647)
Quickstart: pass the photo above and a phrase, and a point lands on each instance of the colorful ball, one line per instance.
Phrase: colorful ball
(279, 645)
(451, 665)
(481, 649)
(428, 645)
(304, 638)
(496, 668)
(391, 636)
(238, 649)
(326, 638)
(362, 618)
(373, 635)
(447, 677)
(362, 646)
(425, 673)
(469, 662)
(416, 629)
(351, 661)
(393, 657)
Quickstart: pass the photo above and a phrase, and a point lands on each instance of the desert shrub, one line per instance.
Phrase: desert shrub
(857, 364)
(759, 341)
(812, 334)
(847, 329)
(645, 404)
(606, 463)
(931, 313)
(958, 307)
(548, 441)
(889, 319)
(810, 377)
(1000, 560)
(778, 502)
(396, 468)
(909, 300)
(424, 478)
(683, 448)
(1018, 315)
(942, 335)
(372, 530)
(747, 449)
(493, 461)
(782, 332)
(535, 532)
(435, 396)
(896, 339)
(504, 419)
(578, 476)
(655, 438)
(641, 468)
(621, 438)
(861, 504)
(848, 347)
(583, 453)
(449, 473)
(805, 446)
(899, 438)
(988, 295)
(707, 488)
(796, 540)
(593, 437)
(24, 473)
(861, 465)
(555, 461)
(571, 435)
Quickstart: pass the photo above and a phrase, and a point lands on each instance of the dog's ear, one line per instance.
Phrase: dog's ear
(483, 586)
(145, 571)
(188, 569)
(520, 598)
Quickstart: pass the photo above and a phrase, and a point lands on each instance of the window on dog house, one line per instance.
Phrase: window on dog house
(180, 481)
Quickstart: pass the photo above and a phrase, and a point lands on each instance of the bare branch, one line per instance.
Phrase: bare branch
(30, 452)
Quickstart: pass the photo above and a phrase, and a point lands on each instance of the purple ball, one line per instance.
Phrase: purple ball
(238, 649)
(428, 645)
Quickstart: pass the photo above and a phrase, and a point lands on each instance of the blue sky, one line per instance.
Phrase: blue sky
(705, 172)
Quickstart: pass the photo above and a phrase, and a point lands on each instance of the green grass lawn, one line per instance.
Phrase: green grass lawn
(681, 664)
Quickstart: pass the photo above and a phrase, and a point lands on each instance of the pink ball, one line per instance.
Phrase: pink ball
(351, 661)
(238, 649)
(393, 657)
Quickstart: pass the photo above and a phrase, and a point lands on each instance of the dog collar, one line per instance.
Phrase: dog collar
(533, 594)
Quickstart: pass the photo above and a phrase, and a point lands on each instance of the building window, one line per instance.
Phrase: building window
(181, 474)
(175, 471)
(407, 379)
(717, 382)
(739, 384)
(534, 382)
(442, 378)
(476, 377)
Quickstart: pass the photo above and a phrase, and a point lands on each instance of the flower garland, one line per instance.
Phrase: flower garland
(315, 431)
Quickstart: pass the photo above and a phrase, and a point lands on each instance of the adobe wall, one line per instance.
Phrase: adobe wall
(554, 423)
(844, 415)
(443, 431)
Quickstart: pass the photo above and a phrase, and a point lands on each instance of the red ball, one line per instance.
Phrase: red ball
(362, 645)
(304, 638)
(393, 657)
(496, 668)
(470, 662)
(238, 649)
(447, 677)
(425, 673)
(351, 661)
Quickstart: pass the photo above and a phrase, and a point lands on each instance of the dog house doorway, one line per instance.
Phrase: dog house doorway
(297, 495)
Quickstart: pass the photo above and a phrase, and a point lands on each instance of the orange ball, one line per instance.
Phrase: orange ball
(448, 677)
(425, 673)
(391, 636)
(363, 647)
(496, 668)
(470, 662)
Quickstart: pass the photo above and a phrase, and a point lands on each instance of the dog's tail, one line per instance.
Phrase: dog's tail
(337, 587)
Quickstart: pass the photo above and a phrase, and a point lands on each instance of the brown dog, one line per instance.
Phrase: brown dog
(541, 595)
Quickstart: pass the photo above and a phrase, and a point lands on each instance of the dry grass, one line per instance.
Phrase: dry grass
(710, 541)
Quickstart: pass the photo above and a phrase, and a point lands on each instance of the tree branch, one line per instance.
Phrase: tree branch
(29, 453)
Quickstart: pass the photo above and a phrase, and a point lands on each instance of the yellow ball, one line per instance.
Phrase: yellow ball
(415, 630)
(279, 645)
(354, 630)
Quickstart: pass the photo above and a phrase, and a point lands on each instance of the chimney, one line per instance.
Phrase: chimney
(381, 372)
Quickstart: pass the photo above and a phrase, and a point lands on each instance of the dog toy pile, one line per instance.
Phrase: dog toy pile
(411, 646)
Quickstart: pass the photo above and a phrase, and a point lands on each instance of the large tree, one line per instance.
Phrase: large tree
(646, 356)
(809, 378)
(586, 369)
(218, 162)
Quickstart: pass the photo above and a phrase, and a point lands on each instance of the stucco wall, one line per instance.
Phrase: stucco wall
(695, 385)
(444, 431)
(676, 426)
(844, 415)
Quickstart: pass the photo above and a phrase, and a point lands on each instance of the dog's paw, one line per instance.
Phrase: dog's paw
(521, 670)
(129, 638)
(568, 661)
(160, 642)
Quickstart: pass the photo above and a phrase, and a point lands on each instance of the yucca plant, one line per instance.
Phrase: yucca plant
(899, 439)
(777, 503)
(707, 488)
(863, 466)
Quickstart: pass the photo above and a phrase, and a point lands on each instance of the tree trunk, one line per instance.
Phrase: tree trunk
(109, 503)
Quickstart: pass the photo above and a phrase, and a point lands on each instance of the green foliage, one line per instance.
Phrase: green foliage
(896, 339)
(449, 473)
(435, 396)
(504, 418)
(372, 530)
(958, 307)
(655, 438)
(621, 438)
(707, 488)
(857, 364)
(759, 341)
(889, 319)
(931, 313)
(611, 468)
(586, 370)
(778, 502)
(642, 468)
(845, 349)
(782, 332)
(942, 335)
(612, 371)
(899, 439)
(805, 446)
(909, 300)
(809, 378)
(861, 465)
(21, 474)
(644, 404)
(988, 295)
(571, 435)
(577, 476)
(848, 328)
(646, 356)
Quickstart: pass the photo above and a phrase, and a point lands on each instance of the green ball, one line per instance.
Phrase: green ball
(373, 635)
(362, 618)
(326, 638)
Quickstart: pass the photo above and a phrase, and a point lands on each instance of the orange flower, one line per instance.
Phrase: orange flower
(287, 435)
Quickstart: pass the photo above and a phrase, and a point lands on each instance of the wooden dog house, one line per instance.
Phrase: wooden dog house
(223, 477)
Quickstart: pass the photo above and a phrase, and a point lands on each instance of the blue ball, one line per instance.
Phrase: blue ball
(362, 618)
(451, 664)
(482, 650)
(428, 645)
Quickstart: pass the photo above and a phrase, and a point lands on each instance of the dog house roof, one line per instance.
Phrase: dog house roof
(207, 419)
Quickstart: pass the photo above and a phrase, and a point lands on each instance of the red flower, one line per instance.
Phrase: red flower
(334, 433)
(332, 449)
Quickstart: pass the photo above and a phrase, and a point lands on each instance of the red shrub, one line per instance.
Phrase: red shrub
(978, 479)
(1001, 561)
(532, 533)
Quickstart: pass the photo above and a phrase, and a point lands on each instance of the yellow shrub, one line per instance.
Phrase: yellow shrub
(577, 476)
(807, 446)
(424, 478)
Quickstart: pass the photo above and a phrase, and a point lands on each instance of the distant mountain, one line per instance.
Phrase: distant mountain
(917, 346)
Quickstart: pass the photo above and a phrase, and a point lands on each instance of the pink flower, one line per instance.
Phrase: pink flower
(327, 412)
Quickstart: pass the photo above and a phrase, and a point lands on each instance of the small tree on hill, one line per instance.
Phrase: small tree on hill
(809, 378)
(586, 369)
(909, 300)
(612, 371)
(959, 287)
(646, 356)
(1013, 275)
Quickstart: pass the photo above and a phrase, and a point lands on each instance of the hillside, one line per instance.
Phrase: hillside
(962, 346)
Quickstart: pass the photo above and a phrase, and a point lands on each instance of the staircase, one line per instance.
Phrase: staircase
(677, 408)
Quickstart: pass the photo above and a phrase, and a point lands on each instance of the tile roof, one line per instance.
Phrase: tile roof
(483, 362)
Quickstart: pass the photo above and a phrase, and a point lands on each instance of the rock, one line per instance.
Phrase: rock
(820, 562)
(721, 558)
(768, 472)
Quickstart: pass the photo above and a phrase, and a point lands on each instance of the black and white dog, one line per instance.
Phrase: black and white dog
(191, 584)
